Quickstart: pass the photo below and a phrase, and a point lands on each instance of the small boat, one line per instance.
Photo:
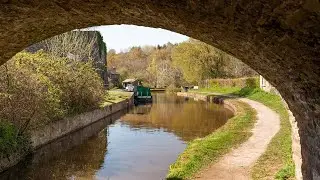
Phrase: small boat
(142, 95)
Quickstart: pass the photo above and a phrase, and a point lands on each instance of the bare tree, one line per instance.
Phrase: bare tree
(77, 45)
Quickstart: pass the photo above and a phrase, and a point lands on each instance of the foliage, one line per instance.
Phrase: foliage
(187, 63)
(199, 61)
(217, 90)
(11, 141)
(172, 89)
(201, 152)
(74, 44)
(251, 82)
(101, 44)
(26, 97)
(153, 65)
(229, 86)
(37, 89)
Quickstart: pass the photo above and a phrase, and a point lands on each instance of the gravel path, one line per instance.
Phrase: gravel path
(236, 164)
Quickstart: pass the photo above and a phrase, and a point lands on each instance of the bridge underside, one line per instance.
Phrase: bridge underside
(279, 39)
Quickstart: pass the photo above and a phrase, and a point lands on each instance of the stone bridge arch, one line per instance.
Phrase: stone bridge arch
(279, 39)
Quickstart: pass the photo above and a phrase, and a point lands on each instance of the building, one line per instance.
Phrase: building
(266, 86)
(127, 82)
(113, 78)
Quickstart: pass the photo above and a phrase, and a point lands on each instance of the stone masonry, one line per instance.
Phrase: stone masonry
(278, 39)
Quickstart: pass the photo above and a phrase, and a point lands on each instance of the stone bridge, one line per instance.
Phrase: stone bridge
(279, 39)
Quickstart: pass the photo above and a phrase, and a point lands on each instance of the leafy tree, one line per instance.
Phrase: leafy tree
(199, 61)
(162, 65)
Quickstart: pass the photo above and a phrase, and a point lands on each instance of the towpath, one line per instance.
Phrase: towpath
(236, 164)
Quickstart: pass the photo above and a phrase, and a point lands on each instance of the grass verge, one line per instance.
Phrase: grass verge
(276, 162)
(115, 96)
(200, 152)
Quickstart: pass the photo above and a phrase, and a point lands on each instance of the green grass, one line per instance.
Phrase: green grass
(276, 162)
(203, 151)
(115, 96)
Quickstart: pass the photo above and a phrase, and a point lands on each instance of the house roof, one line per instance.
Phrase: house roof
(129, 80)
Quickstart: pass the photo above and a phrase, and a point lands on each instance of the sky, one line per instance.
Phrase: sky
(122, 37)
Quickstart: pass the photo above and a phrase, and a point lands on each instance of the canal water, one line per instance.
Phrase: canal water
(139, 144)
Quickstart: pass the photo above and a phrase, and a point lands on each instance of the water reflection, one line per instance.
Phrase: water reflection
(77, 155)
(140, 145)
(186, 118)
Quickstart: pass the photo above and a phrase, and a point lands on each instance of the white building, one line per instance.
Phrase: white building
(266, 86)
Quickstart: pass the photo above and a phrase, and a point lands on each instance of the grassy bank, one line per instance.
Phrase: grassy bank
(115, 96)
(276, 162)
(200, 152)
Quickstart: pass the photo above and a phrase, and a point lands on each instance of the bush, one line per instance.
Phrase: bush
(172, 89)
(252, 82)
(38, 89)
(239, 82)
(11, 141)
(27, 98)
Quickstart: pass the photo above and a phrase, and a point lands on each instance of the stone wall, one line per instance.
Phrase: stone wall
(278, 39)
(296, 146)
(63, 127)
(67, 125)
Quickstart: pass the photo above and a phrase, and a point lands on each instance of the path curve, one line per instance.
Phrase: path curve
(236, 164)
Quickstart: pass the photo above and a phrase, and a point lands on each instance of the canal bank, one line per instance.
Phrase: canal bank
(203, 151)
(139, 145)
(237, 163)
(276, 162)
(63, 127)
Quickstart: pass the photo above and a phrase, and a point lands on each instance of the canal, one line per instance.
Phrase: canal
(139, 144)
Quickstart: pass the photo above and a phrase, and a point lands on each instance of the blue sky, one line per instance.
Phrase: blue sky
(122, 37)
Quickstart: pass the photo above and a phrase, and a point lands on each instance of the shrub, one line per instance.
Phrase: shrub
(172, 89)
(239, 82)
(27, 98)
(252, 82)
(11, 141)
(38, 89)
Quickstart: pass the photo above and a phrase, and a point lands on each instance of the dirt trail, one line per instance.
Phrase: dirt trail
(236, 164)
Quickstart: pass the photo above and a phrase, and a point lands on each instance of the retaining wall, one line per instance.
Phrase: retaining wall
(63, 127)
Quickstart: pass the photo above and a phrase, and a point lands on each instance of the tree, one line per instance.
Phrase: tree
(111, 58)
(196, 60)
(199, 61)
(77, 45)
